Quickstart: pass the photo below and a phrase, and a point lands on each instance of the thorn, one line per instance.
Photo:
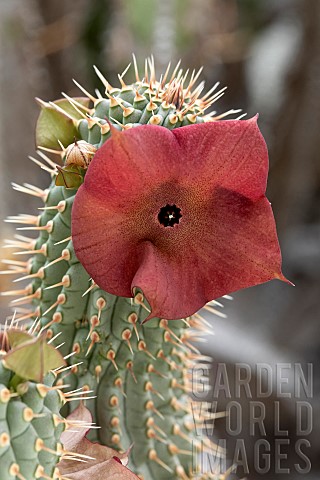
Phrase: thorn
(181, 473)
(136, 71)
(56, 318)
(23, 219)
(195, 77)
(65, 255)
(126, 335)
(111, 355)
(17, 263)
(129, 366)
(54, 338)
(175, 450)
(60, 345)
(118, 383)
(164, 324)
(61, 145)
(64, 240)
(26, 316)
(165, 75)
(152, 434)
(89, 289)
(20, 244)
(49, 150)
(175, 71)
(176, 384)
(127, 111)
(42, 166)
(38, 274)
(171, 363)
(184, 338)
(69, 355)
(65, 282)
(149, 388)
(154, 457)
(42, 251)
(4, 341)
(97, 372)
(151, 369)
(184, 320)
(75, 454)
(138, 97)
(202, 319)
(94, 339)
(78, 399)
(151, 106)
(106, 84)
(94, 322)
(14, 271)
(60, 301)
(60, 110)
(139, 300)
(77, 391)
(60, 207)
(97, 92)
(27, 298)
(133, 318)
(142, 347)
(48, 227)
(214, 311)
(14, 471)
(25, 189)
(54, 207)
(207, 103)
(177, 431)
(123, 85)
(151, 423)
(73, 104)
(167, 338)
(100, 303)
(114, 131)
(60, 370)
(180, 406)
(91, 97)
(150, 406)
(33, 327)
(146, 79)
(226, 114)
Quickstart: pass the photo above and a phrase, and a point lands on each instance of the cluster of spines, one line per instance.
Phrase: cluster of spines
(31, 424)
(173, 101)
(134, 373)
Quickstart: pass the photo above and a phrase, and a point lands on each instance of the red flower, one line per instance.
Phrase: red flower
(180, 214)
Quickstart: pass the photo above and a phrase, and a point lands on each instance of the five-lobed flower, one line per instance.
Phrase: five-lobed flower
(180, 214)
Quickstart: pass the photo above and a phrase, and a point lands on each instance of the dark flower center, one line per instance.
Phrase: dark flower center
(169, 215)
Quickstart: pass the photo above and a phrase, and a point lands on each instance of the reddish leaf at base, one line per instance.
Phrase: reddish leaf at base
(106, 463)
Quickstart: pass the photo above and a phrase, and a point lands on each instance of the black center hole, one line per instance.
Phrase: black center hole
(169, 215)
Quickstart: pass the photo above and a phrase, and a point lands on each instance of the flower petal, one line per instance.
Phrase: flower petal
(132, 163)
(171, 285)
(104, 243)
(230, 153)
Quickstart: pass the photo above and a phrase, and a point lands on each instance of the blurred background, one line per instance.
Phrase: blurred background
(268, 54)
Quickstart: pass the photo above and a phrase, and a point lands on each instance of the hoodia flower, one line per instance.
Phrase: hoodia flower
(180, 214)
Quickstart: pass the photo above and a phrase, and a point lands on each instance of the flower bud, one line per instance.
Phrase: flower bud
(79, 153)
